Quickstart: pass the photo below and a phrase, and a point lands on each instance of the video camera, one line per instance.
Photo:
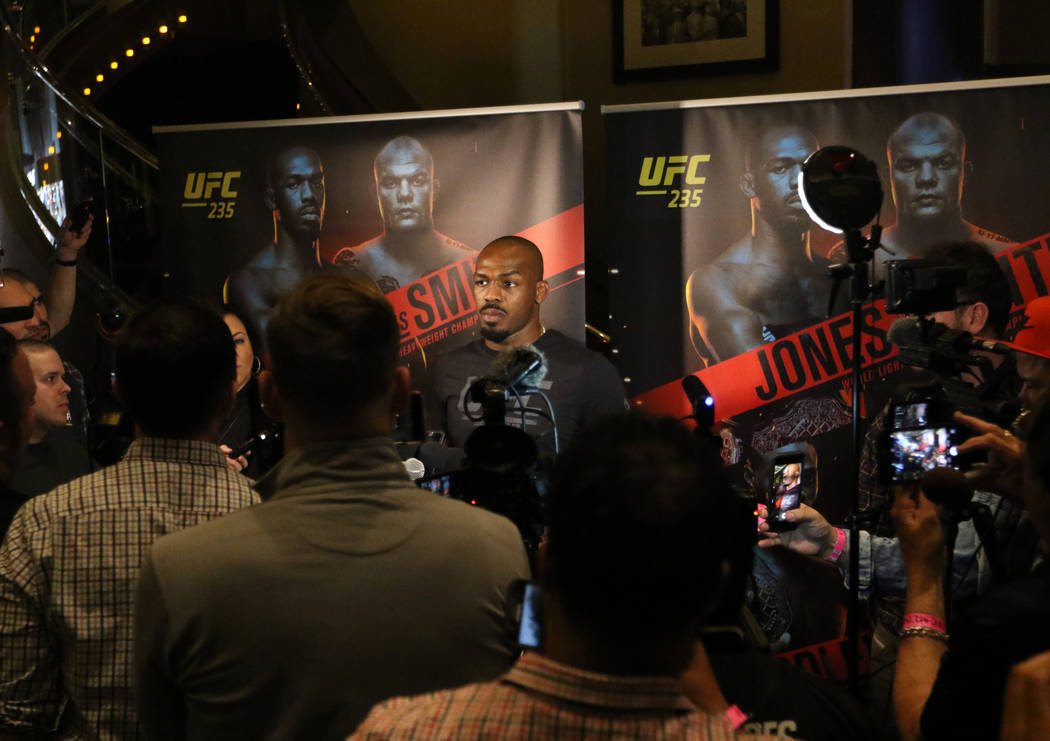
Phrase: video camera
(503, 472)
(959, 364)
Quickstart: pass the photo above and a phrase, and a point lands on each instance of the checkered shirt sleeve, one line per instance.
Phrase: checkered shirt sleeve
(68, 569)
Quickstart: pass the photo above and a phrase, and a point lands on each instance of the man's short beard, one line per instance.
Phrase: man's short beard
(494, 335)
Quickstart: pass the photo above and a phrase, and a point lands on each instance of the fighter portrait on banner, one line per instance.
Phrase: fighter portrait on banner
(768, 283)
(410, 247)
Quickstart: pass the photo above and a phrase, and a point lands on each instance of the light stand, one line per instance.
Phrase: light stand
(841, 192)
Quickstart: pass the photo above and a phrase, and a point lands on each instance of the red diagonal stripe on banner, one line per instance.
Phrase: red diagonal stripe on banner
(560, 239)
(821, 353)
(783, 368)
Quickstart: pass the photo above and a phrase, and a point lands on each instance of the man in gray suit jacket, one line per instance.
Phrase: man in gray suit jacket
(348, 585)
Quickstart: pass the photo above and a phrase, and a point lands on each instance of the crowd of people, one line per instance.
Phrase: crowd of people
(259, 563)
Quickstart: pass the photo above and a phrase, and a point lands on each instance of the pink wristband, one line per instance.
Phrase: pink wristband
(840, 544)
(924, 620)
(736, 716)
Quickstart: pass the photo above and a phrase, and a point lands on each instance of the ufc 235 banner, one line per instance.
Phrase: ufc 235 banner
(722, 274)
(407, 200)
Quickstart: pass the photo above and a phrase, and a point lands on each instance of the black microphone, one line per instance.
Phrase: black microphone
(700, 399)
(947, 487)
(15, 314)
(520, 368)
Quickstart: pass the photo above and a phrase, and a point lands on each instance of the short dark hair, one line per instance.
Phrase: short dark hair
(11, 400)
(512, 240)
(333, 344)
(175, 366)
(985, 280)
(637, 535)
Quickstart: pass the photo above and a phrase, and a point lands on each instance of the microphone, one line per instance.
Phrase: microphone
(414, 468)
(910, 331)
(700, 399)
(520, 367)
(947, 487)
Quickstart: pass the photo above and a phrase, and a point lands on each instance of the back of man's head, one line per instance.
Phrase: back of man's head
(333, 344)
(985, 281)
(638, 532)
(175, 367)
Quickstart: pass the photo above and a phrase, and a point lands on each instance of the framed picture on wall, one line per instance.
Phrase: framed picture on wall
(659, 39)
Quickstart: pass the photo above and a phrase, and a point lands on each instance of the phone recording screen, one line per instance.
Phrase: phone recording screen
(438, 484)
(911, 416)
(914, 451)
(787, 488)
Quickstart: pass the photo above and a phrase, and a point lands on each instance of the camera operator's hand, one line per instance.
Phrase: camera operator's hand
(919, 532)
(1002, 475)
(814, 535)
(237, 464)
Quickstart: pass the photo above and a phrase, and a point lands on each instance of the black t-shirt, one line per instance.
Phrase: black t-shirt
(1010, 624)
(57, 459)
(581, 385)
(781, 700)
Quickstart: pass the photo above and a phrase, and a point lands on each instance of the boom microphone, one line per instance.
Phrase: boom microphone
(909, 331)
(520, 367)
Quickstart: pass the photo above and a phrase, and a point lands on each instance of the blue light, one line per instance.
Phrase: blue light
(709, 401)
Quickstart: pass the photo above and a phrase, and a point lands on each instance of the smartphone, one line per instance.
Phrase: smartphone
(919, 437)
(79, 215)
(530, 617)
(440, 484)
(245, 447)
(785, 490)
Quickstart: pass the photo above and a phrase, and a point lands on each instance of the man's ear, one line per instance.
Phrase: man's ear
(271, 401)
(978, 318)
(270, 199)
(747, 184)
(543, 290)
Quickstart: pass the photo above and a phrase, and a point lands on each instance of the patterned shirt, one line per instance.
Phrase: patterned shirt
(542, 699)
(68, 569)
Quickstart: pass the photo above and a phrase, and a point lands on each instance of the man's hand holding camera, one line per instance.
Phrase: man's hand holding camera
(1002, 474)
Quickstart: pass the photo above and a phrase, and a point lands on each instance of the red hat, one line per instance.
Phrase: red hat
(1034, 335)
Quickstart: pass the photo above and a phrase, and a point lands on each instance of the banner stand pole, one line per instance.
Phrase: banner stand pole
(859, 252)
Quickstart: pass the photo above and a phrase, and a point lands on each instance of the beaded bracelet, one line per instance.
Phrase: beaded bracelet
(921, 632)
(66, 263)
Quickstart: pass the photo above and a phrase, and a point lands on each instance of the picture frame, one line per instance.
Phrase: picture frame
(664, 39)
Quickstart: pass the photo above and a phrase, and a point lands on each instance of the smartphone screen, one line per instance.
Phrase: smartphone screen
(785, 490)
(913, 452)
(530, 623)
(440, 484)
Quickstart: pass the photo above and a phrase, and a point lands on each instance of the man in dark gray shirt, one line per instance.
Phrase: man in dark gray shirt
(508, 290)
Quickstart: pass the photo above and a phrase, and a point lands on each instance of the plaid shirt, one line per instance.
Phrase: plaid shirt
(542, 699)
(68, 569)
